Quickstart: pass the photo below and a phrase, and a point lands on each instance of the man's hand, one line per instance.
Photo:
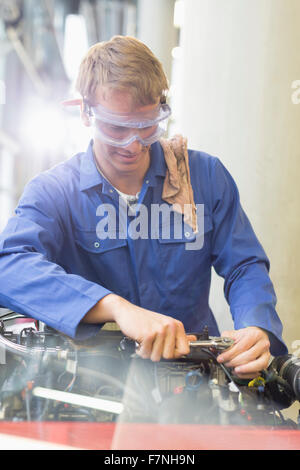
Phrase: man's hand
(250, 352)
(159, 336)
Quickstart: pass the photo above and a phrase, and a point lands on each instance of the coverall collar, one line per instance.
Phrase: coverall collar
(90, 176)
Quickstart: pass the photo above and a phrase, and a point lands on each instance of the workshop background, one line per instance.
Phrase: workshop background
(234, 70)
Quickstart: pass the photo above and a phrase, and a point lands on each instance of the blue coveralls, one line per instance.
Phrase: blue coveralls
(55, 268)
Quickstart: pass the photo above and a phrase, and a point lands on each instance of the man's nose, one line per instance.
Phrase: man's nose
(134, 147)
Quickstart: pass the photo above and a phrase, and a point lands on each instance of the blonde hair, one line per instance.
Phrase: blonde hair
(124, 62)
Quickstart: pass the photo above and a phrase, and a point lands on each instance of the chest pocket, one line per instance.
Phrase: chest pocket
(105, 258)
(99, 243)
(186, 260)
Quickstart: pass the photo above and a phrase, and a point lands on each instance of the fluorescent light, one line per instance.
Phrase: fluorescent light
(75, 44)
(79, 400)
(43, 128)
(177, 52)
(48, 131)
(178, 14)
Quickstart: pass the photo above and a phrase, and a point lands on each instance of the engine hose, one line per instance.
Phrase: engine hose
(24, 351)
(288, 367)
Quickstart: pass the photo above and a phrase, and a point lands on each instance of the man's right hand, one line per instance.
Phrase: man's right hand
(159, 336)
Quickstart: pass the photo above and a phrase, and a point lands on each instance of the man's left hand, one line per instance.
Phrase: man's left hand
(250, 352)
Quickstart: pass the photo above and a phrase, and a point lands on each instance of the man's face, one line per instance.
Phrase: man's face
(121, 160)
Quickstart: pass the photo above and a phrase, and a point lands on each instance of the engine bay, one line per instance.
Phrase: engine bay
(46, 376)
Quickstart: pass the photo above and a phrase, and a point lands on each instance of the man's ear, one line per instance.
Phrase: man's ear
(84, 112)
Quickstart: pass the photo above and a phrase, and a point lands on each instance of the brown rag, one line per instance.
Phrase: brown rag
(177, 189)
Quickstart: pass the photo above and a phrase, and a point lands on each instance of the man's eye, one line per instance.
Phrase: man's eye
(117, 129)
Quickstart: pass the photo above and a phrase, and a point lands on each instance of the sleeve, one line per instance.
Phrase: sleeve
(240, 259)
(31, 281)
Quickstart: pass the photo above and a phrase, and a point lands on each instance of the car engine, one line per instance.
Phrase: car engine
(46, 376)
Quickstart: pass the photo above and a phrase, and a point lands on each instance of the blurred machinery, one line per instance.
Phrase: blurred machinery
(45, 376)
(41, 46)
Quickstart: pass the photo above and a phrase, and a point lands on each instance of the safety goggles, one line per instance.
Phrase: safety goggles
(121, 129)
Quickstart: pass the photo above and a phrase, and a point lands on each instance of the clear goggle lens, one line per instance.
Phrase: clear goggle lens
(124, 136)
(122, 129)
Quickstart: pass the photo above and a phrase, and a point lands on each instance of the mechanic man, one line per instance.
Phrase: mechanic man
(57, 263)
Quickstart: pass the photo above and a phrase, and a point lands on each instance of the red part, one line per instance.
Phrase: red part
(131, 436)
